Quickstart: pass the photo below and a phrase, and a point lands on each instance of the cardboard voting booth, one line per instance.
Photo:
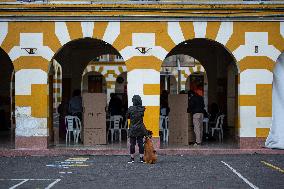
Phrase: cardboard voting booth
(94, 131)
(178, 119)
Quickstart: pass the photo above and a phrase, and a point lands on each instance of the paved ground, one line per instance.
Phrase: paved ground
(214, 171)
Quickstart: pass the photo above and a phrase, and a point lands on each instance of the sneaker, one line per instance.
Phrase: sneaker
(142, 160)
(196, 144)
(131, 160)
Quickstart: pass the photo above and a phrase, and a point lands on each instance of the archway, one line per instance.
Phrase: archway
(275, 138)
(7, 101)
(221, 72)
(82, 65)
(94, 82)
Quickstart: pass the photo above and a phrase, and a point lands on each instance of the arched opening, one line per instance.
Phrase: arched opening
(7, 101)
(109, 73)
(94, 82)
(212, 73)
(275, 138)
(90, 67)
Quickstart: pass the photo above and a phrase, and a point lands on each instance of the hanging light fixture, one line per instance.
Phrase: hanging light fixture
(30, 50)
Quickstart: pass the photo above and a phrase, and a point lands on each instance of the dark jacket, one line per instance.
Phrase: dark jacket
(115, 106)
(136, 113)
(196, 104)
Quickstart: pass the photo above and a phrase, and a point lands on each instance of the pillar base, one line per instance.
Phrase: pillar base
(56, 135)
(251, 142)
(31, 142)
(156, 142)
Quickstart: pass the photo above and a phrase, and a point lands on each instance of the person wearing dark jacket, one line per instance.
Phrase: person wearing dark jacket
(196, 108)
(115, 105)
(137, 129)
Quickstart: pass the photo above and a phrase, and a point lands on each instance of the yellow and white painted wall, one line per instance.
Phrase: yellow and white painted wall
(255, 46)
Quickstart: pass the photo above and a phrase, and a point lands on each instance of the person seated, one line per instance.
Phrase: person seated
(214, 113)
(75, 104)
(115, 105)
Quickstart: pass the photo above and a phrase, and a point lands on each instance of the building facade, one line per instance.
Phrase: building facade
(248, 36)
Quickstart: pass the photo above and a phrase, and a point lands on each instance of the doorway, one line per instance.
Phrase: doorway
(7, 101)
(211, 72)
(90, 66)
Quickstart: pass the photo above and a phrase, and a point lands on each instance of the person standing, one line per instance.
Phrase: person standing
(137, 129)
(196, 108)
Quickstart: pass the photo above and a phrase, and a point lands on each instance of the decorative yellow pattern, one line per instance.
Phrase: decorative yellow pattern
(38, 100)
(73, 30)
(99, 29)
(33, 62)
(15, 28)
(151, 89)
(212, 30)
(262, 100)
(238, 37)
(146, 62)
(151, 119)
(110, 70)
(158, 28)
(187, 30)
(256, 62)
(262, 132)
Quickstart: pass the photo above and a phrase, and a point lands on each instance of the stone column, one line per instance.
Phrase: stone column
(31, 94)
(31, 90)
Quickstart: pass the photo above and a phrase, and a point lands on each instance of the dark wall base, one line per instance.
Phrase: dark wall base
(31, 142)
(251, 143)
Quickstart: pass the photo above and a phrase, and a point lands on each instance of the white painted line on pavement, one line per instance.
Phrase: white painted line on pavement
(25, 180)
(52, 184)
(15, 186)
(62, 172)
(239, 175)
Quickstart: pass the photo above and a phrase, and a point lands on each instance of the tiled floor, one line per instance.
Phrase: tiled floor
(205, 145)
(7, 142)
(115, 145)
(229, 142)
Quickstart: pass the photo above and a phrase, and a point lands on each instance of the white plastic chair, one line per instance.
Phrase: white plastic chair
(161, 122)
(69, 122)
(219, 127)
(115, 122)
(206, 124)
(166, 129)
(125, 127)
(78, 128)
(164, 120)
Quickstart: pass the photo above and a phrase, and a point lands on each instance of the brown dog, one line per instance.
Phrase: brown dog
(150, 155)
